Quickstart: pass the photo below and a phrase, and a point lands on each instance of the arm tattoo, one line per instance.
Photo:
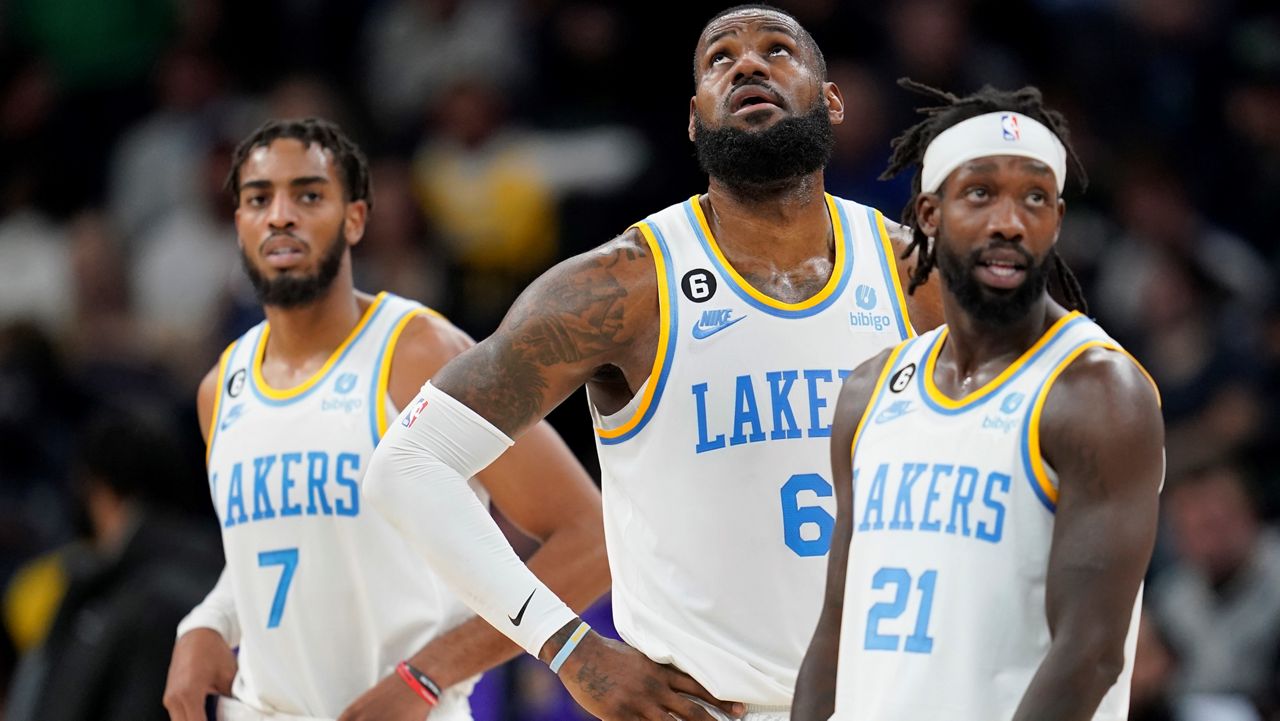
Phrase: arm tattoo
(571, 316)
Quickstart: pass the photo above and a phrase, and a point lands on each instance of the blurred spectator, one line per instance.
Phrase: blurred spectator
(418, 49)
(397, 254)
(1153, 697)
(35, 258)
(862, 143)
(491, 189)
(40, 406)
(181, 271)
(156, 165)
(1220, 602)
(141, 569)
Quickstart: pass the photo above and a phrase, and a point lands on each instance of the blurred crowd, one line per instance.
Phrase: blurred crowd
(505, 135)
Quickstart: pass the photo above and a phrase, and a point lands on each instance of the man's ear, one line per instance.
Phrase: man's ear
(835, 102)
(928, 207)
(353, 226)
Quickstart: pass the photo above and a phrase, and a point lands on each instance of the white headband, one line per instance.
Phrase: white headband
(1000, 133)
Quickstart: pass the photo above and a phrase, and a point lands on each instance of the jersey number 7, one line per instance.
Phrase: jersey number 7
(287, 557)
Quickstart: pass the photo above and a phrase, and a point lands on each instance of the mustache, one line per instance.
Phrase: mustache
(749, 81)
(1022, 252)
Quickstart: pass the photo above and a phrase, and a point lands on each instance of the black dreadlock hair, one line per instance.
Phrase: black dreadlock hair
(353, 167)
(908, 150)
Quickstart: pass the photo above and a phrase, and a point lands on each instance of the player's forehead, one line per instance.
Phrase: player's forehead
(745, 22)
(997, 164)
(285, 159)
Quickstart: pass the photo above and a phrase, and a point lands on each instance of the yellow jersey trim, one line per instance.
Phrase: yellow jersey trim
(1033, 425)
(875, 395)
(664, 335)
(285, 394)
(892, 259)
(217, 400)
(832, 283)
(991, 386)
(384, 371)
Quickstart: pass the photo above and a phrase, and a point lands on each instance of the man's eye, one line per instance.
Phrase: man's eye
(780, 50)
(718, 57)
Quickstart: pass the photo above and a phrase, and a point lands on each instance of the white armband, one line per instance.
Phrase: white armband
(217, 612)
(417, 479)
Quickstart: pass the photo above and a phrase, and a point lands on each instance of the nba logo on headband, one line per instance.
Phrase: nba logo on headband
(1009, 127)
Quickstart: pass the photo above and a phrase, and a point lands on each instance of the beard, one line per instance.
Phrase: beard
(761, 161)
(989, 306)
(290, 291)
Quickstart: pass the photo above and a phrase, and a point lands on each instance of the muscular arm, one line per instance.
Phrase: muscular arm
(596, 310)
(815, 696)
(589, 313)
(563, 513)
(1102, 431)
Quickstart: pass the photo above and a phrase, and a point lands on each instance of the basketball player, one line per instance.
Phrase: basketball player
(712, 337)
(322, 596)
(997, 479)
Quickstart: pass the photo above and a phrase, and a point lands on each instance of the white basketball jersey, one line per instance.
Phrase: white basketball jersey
(944, 611)
(717, 499)
(329, 596)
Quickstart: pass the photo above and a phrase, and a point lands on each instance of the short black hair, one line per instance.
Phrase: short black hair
(910, 146)
(806, 40)
(353, 166)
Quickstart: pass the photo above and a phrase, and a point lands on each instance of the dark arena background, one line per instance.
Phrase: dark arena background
(506, 135)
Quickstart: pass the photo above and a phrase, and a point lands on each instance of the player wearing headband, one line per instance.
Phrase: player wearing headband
(996, 479)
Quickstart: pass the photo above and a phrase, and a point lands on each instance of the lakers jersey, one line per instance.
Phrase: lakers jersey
(717, 498)
(944, 612)
(329, 597)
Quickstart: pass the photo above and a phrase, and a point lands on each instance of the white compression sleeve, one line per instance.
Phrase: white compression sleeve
(217, 611)
(417, 479)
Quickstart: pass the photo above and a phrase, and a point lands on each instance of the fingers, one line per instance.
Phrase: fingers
(684, 683)
(687, 710)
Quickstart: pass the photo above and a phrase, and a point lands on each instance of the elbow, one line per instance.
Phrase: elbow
(1099, 665)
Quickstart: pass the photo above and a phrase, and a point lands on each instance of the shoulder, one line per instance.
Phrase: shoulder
(206, 394)
(1104, 384)
(600, 298)
(1103, 412)
(429, 340)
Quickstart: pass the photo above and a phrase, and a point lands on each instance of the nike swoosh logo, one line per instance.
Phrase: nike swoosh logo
(520, 616)
(699, 332)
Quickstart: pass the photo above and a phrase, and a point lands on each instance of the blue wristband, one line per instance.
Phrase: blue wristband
(578, 634)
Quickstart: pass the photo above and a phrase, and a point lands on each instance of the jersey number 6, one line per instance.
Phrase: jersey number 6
(795, 517)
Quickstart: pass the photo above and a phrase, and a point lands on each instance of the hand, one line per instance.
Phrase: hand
(615, 682)
(390, 699)
(202, 664)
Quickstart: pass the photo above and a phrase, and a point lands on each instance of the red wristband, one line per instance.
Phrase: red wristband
(419, 682)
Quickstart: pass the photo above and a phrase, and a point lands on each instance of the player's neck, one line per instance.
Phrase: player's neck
(300, 333)
(973, 345)
(789, 226)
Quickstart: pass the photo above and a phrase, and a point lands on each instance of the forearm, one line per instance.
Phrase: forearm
(217, 612)
(572, 563)
(417, 480)
(1071, 680)
(815, 696)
